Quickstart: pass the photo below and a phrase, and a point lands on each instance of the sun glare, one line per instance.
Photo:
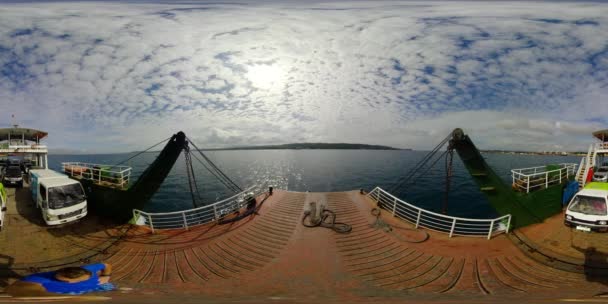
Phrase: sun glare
(264, 76)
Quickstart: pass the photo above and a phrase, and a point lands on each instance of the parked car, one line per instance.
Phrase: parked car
(601, 175)
(12, 175)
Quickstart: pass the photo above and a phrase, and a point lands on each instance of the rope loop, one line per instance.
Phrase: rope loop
(327, 220)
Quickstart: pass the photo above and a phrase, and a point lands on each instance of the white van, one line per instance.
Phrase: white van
(588, 209)
(60, 198)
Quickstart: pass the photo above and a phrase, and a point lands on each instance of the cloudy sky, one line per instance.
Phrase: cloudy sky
(119, 76)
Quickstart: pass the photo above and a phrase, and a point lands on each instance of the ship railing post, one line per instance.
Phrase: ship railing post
(513, 177)
(418, 217)
(150, 222)
(491, 229)
(560, 174)
(547, 179)
(509, 223)
(528, 185)
(394, 206)
(215, 212)
(185, 221)
(453, 226)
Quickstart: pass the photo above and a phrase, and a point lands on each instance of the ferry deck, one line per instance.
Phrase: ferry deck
(271, 256)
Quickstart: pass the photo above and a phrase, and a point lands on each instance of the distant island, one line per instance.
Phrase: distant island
(560, 153)
(295, 146)
(311, 146)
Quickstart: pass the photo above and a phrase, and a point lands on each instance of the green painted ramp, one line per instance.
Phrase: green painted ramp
(525, 209)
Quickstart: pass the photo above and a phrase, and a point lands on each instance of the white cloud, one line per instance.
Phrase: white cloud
(514, 75)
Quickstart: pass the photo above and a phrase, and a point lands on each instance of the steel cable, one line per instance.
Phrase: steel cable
(142, 152)
(218, 177)
(421, 164)
(234, 187)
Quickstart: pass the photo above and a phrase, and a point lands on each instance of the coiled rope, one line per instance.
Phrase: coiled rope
(327, 220)
(381, 224)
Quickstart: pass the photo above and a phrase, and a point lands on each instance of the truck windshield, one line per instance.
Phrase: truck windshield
(65, 196)
(588, 205)
(13, 172)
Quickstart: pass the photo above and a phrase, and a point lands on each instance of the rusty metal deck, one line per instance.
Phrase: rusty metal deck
(270, 255)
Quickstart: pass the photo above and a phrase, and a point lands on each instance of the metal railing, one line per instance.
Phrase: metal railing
(3, 202)
(439, 222)
(32, 146)
(601, 146)
(2, 212)
(198, 216)
(580, 171)
(586, 162)
(535, 178)
(113, 176)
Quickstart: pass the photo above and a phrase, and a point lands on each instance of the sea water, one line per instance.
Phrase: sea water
(326, 170)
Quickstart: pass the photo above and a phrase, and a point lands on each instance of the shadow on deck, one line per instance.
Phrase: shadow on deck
(271, 254)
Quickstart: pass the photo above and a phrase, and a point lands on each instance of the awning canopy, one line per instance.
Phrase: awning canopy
(18, 133)
(601, 135)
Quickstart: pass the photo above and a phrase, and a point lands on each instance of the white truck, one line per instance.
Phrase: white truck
(588, 209)
(60, 198)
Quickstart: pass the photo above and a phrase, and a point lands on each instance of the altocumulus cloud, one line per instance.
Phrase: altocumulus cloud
(119, 76)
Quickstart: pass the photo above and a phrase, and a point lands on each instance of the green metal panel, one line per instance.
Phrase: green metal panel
(3, 196)
(118, 204)
(525, 209)
(597, 186)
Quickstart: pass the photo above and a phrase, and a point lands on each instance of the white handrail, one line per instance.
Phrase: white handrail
(2, 212)
(588, 164)
(440, 222)
(117, 176)
(186, 219)
(601, 146)
(527, 179)
(581, 167)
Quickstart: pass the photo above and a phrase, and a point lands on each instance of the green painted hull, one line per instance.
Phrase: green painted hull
(543, 203)
(525, 209)
(118, 204)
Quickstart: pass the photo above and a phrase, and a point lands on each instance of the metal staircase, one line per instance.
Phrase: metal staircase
(587, 162)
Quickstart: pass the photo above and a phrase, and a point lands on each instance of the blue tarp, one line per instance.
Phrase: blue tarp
(569, 192)
(48, 281)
